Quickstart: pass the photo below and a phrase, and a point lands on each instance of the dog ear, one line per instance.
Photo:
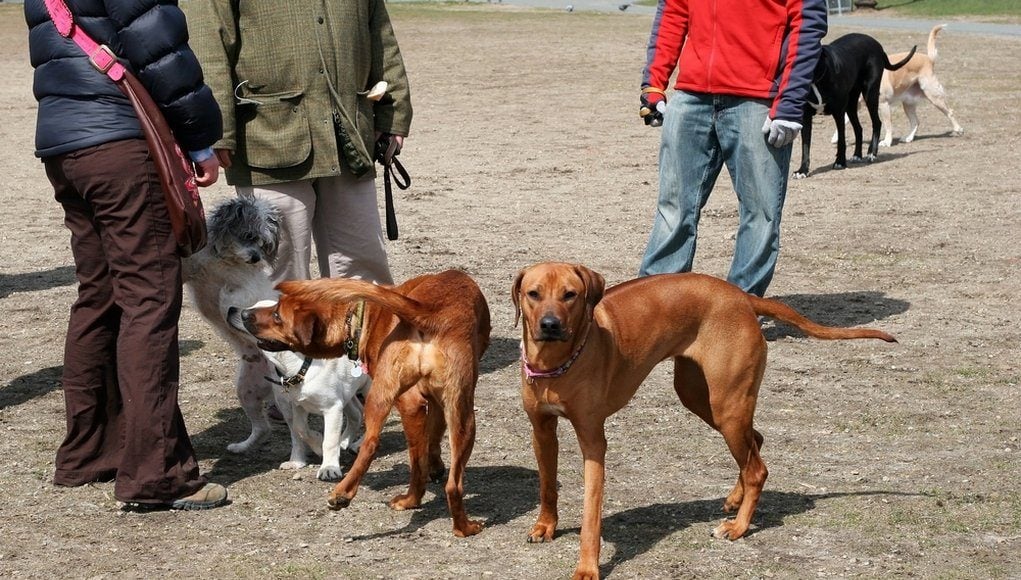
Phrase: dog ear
(516, 296)
(594, 282)
(304, 325)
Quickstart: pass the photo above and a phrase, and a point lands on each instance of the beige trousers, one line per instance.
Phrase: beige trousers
(340, 214)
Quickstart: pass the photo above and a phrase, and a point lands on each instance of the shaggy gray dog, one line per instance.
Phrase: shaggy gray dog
(232, 271)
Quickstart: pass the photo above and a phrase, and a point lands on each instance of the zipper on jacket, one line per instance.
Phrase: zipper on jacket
(712, 53)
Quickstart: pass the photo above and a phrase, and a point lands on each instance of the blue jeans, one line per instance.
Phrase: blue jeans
(701, 132)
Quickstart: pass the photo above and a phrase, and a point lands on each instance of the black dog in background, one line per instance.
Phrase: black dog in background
(851, 66)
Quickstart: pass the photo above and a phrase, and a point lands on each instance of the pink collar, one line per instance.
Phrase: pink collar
(532, 373)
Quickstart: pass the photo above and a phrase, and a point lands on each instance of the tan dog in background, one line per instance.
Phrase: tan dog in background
(420, 342)
(909, 86)
(584, 354)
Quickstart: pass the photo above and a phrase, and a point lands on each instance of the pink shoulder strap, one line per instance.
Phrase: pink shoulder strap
(100, 56)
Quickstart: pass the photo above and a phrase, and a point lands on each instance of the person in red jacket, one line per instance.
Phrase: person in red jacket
(744, 68)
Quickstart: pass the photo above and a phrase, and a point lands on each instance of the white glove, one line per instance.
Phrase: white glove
(780, 133)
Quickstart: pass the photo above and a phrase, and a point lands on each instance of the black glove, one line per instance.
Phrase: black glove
(653, 106)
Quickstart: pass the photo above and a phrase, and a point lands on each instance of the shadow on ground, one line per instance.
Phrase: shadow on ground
(27, 387)
(33, 281)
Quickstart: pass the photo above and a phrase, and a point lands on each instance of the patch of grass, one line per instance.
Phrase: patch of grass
(935, 8)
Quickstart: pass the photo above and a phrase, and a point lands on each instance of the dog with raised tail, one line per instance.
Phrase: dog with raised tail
(910, 85)
(421, 343)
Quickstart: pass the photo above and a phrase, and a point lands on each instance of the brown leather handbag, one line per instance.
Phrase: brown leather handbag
(177, 174)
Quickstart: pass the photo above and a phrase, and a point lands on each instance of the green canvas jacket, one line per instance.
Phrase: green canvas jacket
(291, 77)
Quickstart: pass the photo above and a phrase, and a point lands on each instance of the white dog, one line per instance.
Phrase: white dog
(327, 387)
(230, 274)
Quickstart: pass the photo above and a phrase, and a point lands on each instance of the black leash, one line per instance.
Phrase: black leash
(383, 153)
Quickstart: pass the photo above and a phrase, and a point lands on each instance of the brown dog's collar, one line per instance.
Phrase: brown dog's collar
(354, 321)
(531, 373)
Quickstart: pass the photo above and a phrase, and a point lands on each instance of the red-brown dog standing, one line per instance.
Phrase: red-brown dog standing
(584, 355)
(420, 342)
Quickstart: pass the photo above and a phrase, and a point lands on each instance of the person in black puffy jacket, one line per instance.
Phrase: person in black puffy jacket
(121, 361)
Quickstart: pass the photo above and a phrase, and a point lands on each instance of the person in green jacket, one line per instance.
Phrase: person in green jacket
(299, 85)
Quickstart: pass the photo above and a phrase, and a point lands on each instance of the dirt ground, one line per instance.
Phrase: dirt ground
(885, 460)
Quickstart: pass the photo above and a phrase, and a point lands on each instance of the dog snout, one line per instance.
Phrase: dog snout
(254, 257)
(551, 327)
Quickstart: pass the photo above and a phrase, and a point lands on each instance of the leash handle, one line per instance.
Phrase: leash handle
(386, 154)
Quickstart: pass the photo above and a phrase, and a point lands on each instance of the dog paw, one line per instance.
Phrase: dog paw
(293, 465)
(585, 574)
(729, 530)
(800, 174)
(405, 501)
(240, 447)
(890, 143)
(839, 166)
(541, 533)
(469, 528)
(330, 473)
(870, 158)
(338, 502)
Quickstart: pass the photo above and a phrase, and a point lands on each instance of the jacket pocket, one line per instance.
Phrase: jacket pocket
(276, 132)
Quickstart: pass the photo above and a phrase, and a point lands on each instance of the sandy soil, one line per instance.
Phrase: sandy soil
(885, 460)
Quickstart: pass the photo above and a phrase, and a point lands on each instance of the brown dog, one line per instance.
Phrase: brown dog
(420, 342)
(584, 355)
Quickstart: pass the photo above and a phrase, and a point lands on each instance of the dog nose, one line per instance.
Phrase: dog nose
(254, 258)
(246, 315)
(550, 325)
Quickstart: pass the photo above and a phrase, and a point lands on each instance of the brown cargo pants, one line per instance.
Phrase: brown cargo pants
(121, 364)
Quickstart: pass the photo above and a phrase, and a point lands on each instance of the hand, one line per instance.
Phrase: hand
(780, 133)
(653, 106)
(224, 155)
(394, 148)
(207, 172)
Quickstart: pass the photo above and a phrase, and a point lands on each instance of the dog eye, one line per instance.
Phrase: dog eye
(533, 294)
(276, 317)
(570, 295)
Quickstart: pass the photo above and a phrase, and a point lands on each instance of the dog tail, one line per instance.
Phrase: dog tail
(931, 49)
(900, 63)
(782, 312)
(348, 290)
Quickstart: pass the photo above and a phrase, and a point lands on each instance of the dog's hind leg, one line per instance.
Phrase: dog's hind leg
(252, 391)
(460, 417)
(871, 94)
(937, 96)
(911, 112)
(744, 442)
(414, 411)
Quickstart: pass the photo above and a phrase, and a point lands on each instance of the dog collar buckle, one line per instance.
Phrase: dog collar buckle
(295, 380)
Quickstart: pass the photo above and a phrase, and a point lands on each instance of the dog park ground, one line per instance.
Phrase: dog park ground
(884, 460)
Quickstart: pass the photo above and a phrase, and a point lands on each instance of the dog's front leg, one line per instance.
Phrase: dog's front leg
(592, 439)
(546, 447)
(332, 424)
(297, 421)
(806, 145)
(377, 406)
(252, 390)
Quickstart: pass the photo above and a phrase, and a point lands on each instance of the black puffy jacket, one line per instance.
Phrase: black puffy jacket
(81, 107)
